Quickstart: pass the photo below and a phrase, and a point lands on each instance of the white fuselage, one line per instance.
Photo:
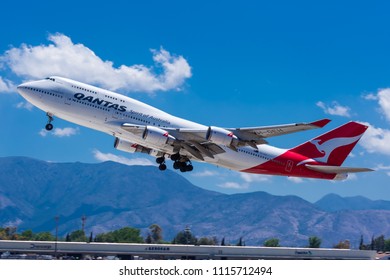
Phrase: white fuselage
(106, 111)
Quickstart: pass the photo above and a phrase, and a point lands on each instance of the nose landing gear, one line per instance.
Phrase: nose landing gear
(49, 126)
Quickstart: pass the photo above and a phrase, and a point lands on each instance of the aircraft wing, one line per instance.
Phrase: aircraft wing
(198, 143)
(251, 134)
(191, 141)
(257, 134)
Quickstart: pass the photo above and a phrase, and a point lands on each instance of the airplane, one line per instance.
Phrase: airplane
(138, 127)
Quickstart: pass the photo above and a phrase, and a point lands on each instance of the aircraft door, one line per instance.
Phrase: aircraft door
(289, 166)
(67, 100)
(67, 96)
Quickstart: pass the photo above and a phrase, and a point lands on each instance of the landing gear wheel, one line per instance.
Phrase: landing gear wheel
(176, 165)
(49, 127)
(160, 160)
(175, 157)
(190, 168)
(162, 166)
(186, 167)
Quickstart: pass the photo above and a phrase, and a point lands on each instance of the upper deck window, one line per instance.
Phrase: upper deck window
(51, 79)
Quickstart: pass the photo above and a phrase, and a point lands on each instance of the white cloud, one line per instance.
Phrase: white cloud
(25, 105)
(233, 185)
(384, 168)
(247, 180)
(296, 180)
(384, 102)
(43, 132)
(6, 85)
(64, 58)
(376, 140)
(335, 109)
(65, 132)
(250, 178)
(205, 173)
(123, 160)
(383, 98)
(370, 96)
(352, 177)
(60, 132)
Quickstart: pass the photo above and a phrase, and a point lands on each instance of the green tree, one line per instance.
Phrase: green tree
(314, 242)
(44, 236)
(240, 242)
(2, 234)
(387, 245)
(149, 239)
(123, 235)
(77, 236)
(273, 242)
(105, 237)
(361, 243)
(128, 235)
(90, 237)
(378, 243)
(185, 237)
(8, 233)
(26, 235)
(207, 241)
(346, 244)
(156, 233)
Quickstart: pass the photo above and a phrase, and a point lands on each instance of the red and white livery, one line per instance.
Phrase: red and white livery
(138, 127)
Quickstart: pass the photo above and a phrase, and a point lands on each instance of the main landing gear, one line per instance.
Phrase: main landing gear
(179, 162)
(161, 161)
(49, 126)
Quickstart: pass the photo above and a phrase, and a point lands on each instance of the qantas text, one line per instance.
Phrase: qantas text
(95, 100)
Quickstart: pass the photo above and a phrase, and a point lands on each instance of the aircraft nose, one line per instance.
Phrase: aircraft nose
(22, 88)
(24, 85)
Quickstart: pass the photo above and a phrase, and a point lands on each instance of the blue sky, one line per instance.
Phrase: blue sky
(222, 63)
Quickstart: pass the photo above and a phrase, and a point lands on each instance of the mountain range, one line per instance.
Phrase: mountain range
(111, 195)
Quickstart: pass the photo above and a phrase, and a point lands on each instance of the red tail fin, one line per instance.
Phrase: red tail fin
(334, 146)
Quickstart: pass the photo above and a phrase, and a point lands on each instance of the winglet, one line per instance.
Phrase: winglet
(321, 123)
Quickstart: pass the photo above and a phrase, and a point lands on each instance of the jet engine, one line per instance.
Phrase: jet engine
(221, 136)
(126, 146)
(157, 136)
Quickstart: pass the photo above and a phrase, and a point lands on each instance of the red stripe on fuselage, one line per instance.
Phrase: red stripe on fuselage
(287, 165)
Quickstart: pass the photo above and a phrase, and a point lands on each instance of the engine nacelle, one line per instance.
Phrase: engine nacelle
(157, 136)
(221, 136)
(126, 146)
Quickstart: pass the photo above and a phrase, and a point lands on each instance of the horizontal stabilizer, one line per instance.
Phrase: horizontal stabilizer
(328, 169)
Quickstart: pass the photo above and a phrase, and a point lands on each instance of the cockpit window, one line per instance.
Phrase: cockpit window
(51, 79)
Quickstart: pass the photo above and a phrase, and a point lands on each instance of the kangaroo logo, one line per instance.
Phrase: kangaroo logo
(326, 148)
(329, 146)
